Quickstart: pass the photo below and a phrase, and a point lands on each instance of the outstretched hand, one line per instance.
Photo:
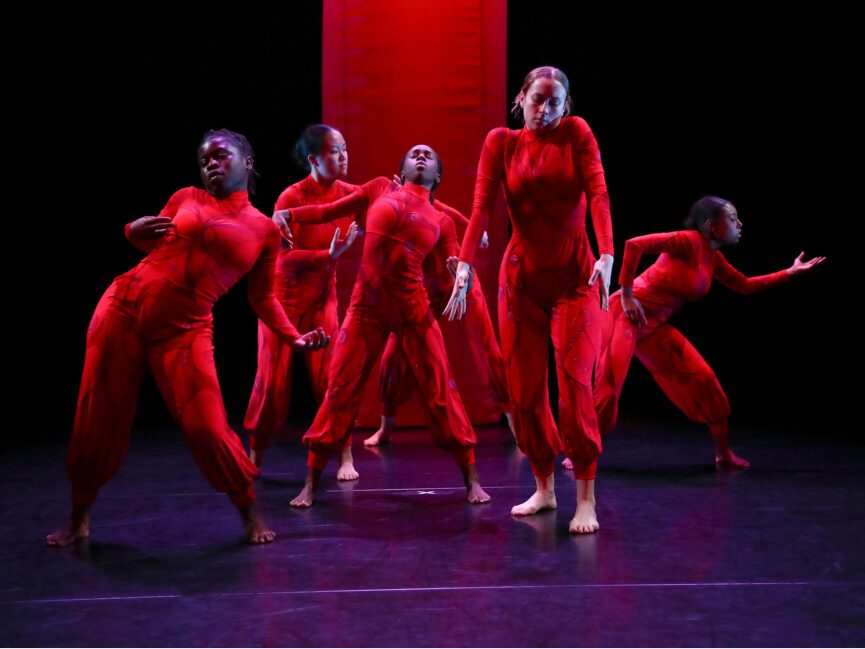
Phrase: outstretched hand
(456, 307)
(149, 228)
(800, 266)
(603, 271)
(315, 339)
(338, 247)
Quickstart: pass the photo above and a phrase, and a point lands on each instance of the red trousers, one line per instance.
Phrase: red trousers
(182, 364)
(543, 294)
(673, 362)
(397, 383)
(271, 393)
(358, 347)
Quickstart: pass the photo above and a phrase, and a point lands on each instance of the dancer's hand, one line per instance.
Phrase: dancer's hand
(603, 270)
(149, 228)
(315, 339)
(456, 307)
(632, 308)
(485, 240)
(338, 247)
(281, 218)
(800, 266)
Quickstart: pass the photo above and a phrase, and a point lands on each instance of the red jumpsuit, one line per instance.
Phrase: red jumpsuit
(682, 273)
(543, 289)
(306, 288)
(402, 228)
(159, 315)
(477, 330)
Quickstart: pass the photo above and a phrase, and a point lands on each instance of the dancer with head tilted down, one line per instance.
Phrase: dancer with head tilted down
(550, 284)
(640, 312)
(159, 314)
(306, 288)
(402, 228)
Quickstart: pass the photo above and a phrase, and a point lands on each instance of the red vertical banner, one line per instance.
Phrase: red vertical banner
(399, 73)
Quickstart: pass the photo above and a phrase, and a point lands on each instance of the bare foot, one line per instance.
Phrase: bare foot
(585, 520)
(307, 495)
(567, 464)
(537, 502)
(304, 499)
(256, 457)
(257, 531)
(543, 499)
(346, 470)
(382, 435)
(78, 527)
(729, 459)
(475, 494)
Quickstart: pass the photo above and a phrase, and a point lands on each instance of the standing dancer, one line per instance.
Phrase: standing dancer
(306, 288)
(402, 227)
(549, 282)
(641, 309)
(160, 314)
(397, 384)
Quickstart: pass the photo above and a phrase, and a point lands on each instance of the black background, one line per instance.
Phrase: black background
(757, 106)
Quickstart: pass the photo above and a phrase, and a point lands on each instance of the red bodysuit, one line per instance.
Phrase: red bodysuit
(476, 329)
(402, 228)
(306, 288)
(543, 289)
(682, 273)
(159, 314)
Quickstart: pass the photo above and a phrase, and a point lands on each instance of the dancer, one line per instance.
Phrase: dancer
(397, 385)
(640, 312)
(549, 284)
(160, 314)
(402, 227)
(306, 288)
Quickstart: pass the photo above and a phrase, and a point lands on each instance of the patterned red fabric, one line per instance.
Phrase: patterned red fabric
(306, 287)
(543, 291)
(402, 228)
(159, 314)
(682, 273)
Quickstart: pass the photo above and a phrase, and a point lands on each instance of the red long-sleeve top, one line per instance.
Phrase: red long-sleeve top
(683, 272)
(306, 275)
(402, 228)
(544, 177)
(215, 242)
(436, 275)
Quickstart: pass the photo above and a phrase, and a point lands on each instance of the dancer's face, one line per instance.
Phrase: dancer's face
(331, 163)
(543, 104)
(421, 166)
(726, 229)
(224, 169)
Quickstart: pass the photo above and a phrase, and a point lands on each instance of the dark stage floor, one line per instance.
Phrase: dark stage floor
(685, 556)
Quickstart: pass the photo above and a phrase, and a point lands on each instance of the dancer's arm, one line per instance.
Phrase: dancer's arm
(677, 244)
(350, 205)
(146, 232)
(490, 173)
(267, 307)
(737, 281)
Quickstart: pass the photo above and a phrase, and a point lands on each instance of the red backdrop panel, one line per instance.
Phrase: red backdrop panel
(401, 73)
